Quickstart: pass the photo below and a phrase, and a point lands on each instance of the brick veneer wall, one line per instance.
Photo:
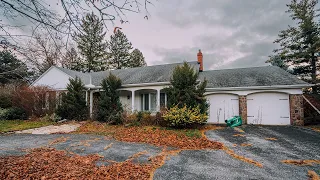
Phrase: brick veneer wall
(296, 109)
(243, 108)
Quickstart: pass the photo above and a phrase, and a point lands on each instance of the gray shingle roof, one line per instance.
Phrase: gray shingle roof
(253, 76)
(243, 77)
(148, 74)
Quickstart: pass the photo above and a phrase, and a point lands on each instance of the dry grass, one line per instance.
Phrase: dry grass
(308, 162)
(313, 175)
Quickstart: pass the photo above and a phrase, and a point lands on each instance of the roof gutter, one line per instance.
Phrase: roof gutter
(140, 85)
(260, 87)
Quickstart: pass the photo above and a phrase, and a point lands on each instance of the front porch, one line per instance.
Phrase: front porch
(150, 99)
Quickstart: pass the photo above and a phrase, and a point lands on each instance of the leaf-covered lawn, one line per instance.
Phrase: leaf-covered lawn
(17, 125)
(45, 163)
(159, 136)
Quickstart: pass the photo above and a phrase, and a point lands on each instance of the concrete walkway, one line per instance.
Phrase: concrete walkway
(65, 128)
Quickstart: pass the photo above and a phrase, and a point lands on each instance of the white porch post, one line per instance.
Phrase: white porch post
(165, 99)
(87, 98)
(158, 100)
(91, 103)
(132, 99)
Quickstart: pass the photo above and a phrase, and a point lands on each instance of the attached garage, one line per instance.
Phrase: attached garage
(268, 109)
(222, 107)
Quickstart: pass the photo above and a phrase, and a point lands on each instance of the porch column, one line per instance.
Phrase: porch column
(91, 103)
(132, 100)
(87, 98)
(158, 100)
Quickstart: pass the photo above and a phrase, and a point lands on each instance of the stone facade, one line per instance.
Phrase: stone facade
(296, 110)
(243, 108)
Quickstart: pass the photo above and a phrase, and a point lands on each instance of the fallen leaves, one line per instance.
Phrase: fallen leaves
(242, 158)
(308, 162)
(317, 129)
(108, 146)
(45, 163)
(245, 145)
(239, 135)
(151, 135)
(271, 139)
(313, 175)
(58, 140)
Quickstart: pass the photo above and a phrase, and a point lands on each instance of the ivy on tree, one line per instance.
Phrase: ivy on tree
(185, 89)
(73, 104)
(109, 107)
(300, 44)
(91, 43)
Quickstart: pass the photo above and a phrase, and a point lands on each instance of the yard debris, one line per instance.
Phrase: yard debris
(238, 129)
(306, 162)
(58, 140)
(108, 146)
(317, 129)
(313, 175)
(245, 145)
(151, 135)
(237, 135)
(242, 158)
(45, 163)
(271, 139)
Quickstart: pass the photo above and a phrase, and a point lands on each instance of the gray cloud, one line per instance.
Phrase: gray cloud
(240, 33)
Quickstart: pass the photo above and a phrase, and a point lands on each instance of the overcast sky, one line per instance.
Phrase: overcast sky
(230, 33)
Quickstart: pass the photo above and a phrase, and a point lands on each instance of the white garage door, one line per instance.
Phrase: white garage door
(222, 107)
(268, 108)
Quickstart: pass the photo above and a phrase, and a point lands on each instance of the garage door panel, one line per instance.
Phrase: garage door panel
(268, 109)
(222, 107)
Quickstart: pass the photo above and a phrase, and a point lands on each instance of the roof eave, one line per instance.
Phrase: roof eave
(296, 86)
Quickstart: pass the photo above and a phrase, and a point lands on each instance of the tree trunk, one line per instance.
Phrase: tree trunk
(314, 73)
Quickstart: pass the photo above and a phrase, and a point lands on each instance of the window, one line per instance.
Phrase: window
(146, 102)
(163, 100)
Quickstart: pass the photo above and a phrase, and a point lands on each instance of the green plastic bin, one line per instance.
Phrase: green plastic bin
(234, 121)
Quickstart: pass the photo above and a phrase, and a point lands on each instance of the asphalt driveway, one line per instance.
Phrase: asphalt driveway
(291, 143)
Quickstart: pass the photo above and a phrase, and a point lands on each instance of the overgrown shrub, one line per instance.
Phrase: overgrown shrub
(185, 89)
(13, 113)
(6, 93)
(184, 117)
(109, 107)
(73, 104)
(36, 101)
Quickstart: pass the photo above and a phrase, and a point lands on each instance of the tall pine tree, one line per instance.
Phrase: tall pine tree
(300, 44)
(137, 59)
(119, 48)
(91, 43)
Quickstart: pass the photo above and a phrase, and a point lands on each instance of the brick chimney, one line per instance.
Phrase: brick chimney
(200, 60)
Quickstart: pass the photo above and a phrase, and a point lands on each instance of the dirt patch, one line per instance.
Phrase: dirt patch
(45, 163)
(151, 135)
(313, 175)
(308, 162)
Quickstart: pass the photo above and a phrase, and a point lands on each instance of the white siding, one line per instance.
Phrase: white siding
(53, 78)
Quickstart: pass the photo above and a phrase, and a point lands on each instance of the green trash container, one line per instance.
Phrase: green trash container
(234, 121)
